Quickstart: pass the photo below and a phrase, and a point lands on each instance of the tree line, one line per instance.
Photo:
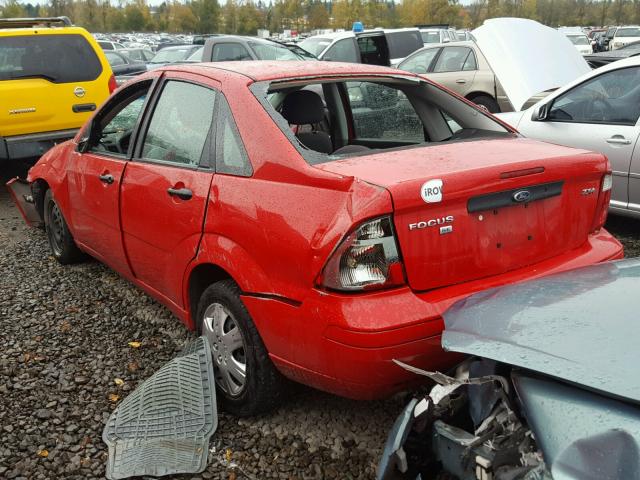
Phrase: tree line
(245, 17)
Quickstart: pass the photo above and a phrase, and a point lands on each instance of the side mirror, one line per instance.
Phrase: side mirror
(83, 145)
(85, 140)
(540, 113)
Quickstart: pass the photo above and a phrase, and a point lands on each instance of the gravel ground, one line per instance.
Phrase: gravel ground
(65, 339)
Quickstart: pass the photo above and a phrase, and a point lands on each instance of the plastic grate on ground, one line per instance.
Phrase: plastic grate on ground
(164, 426)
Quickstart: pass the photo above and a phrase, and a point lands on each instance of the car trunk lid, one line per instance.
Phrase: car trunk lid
(468, 210)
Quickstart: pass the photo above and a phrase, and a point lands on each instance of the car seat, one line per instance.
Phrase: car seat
(304, 107)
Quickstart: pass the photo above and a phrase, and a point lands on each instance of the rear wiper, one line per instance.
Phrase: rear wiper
(34, 75)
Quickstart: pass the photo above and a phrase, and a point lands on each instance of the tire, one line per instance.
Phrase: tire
(63, 247)
(220, 313)
(487, 102)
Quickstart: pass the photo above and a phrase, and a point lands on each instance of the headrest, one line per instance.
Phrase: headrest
(303, 107)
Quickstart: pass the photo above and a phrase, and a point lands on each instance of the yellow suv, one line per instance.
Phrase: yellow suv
(52, 76)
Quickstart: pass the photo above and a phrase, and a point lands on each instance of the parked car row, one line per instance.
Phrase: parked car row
(615, 37)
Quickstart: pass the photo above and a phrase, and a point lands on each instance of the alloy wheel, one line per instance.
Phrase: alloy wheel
(56, 228)
(227, 348)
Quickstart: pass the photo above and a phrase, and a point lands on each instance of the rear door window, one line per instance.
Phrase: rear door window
(59, 58)
(373, 50)
(231, 157)
(343, 51)
(223, 52)
(453, 59)
(402, 44)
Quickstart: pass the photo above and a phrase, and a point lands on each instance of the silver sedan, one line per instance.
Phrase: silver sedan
(598, 111)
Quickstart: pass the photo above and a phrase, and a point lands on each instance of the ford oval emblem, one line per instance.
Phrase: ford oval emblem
(79, 92)
(522, 196)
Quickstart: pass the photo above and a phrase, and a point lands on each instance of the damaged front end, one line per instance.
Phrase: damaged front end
(468, 427)
(25, 197)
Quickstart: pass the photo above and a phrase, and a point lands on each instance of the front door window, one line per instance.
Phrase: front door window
(111, 133)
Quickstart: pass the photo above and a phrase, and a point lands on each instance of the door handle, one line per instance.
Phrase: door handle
(618, 140)
(106, 178)
(181, 193)
(461, 81)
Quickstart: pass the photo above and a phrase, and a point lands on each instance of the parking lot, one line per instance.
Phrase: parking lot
(329, 227)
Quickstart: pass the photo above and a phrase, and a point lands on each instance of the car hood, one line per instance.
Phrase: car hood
(527, 57)
(580, 326)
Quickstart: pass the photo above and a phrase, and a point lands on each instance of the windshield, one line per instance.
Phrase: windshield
(430, 37)
(196, 56)
(273, 51)
(170, 55)
(315, 45)
(628, 32)
(578, 39)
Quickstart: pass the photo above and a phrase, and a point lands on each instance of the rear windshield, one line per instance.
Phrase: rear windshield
(56, 58)
(315, 45)
(171, 55)
(579, 39)
(402, 44)
(273, 51)
(330, 119)
(430, 37)
(196, 56)
(628, 32)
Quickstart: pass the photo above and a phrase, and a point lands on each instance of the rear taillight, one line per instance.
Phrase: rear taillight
(112, 84)
(366, 259)
(604, 196)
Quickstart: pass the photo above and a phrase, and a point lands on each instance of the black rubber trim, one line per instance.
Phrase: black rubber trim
(506, 198)
(83, 107)
(277, 298)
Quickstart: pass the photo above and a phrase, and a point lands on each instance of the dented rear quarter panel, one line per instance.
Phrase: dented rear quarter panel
(275, 230)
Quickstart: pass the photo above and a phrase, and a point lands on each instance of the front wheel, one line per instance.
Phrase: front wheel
(63, 247)
(246, 379)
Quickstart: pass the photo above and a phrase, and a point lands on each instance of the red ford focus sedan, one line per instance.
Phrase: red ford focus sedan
(312, 219)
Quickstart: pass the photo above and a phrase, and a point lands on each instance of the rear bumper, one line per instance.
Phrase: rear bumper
(345, 344)
(20, 147)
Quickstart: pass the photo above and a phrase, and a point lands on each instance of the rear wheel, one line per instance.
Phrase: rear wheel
(63, 247)
(486, 102)
(246, 379)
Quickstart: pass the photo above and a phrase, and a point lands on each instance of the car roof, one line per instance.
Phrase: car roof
(179, 47)
(35, 30)
(261, 70)
(221, 38)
